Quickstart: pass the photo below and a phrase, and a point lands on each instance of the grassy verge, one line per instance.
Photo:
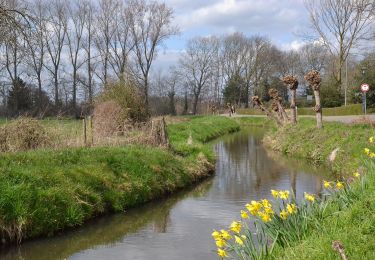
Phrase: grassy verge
(307, 142)
(349, 219)
(352, 225)
(45, 191)
(354, 109)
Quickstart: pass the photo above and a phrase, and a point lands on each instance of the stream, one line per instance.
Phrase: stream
(180, 226)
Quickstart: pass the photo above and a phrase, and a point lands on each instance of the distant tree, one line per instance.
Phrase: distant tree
(19, 99)
(233, 89)
(340, 25)
(150, 25)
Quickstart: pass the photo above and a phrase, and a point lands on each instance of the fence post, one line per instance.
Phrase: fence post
(84, 131)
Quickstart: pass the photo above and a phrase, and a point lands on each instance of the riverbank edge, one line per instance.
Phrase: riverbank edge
(338, 146)
(43, 192)
(350, 225)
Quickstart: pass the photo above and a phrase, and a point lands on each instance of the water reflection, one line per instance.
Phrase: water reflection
(179, 227)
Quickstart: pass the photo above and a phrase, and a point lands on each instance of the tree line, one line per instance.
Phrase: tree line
(57, 56)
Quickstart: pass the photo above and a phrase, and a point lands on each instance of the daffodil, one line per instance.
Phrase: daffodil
(292, 208)
(264, 216)
(327, 184)
(275, 193)
(356, 174)
(284, 194)
(225, 234)
(266, 203)
(253, 207)
(221, 253)
(268, 210)
(284, 214)
(309, 197)
(367, 151)
(244, 214)
(221, 243)
(216, 235)
(236, 226)
(372, 155)
(339, 185)
(238, 240)
(371, 139)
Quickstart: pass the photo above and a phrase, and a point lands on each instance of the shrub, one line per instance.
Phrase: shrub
(23, 134)
(119, 106)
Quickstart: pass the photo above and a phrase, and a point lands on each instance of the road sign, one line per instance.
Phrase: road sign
(365, 87)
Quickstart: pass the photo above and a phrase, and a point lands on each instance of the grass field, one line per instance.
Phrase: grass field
(44, 191)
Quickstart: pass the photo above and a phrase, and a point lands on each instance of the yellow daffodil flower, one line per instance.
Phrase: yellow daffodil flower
(339, 185)
(356, 174)
(253, 207)
(284, 194)
(371, 139)
(221, 253)
(216, 235)
(372, 155)
(268, 210)
(266, 203)
(236, 226)
(225, 234)
(327, 184)
(309, 197)
(265, 217)
(366, 151)
(220, 243)
(275, 193)
(284, 214)
(292, 208)
(244, 214)
(238, 240)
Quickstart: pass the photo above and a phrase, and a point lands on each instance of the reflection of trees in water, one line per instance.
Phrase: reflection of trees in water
(246, 168)
(244, 164)
(105, 230)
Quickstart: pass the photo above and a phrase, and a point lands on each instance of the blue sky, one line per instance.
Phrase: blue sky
(280, 20)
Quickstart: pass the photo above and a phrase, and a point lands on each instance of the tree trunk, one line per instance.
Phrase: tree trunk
(195, 104)
(318, 109)
(293, 106)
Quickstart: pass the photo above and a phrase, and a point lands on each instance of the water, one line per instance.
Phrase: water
(180, 227)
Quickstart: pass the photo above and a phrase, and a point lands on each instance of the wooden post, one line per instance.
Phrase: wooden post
(91, 130)
(84, 131)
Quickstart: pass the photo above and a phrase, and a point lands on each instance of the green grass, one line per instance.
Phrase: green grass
(354, 109)
(353, 226)
(314, 145)
(44, 191)
(353, 222)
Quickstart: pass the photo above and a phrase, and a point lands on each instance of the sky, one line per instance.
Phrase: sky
(282, 21)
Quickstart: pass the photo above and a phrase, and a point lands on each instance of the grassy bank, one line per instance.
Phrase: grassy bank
(307, 142)
(347, 219)
(44, 191)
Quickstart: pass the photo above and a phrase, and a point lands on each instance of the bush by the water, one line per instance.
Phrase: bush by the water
(23, 134)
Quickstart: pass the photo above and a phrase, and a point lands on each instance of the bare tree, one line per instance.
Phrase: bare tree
(340, 25)
(104, 33)
(37, 46)
(55, 40)
(197, 65)
(89, 10)
(121, 44)
(77, 17)
(150, 25)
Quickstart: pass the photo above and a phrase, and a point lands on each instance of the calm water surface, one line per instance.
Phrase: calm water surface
(180, 227)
